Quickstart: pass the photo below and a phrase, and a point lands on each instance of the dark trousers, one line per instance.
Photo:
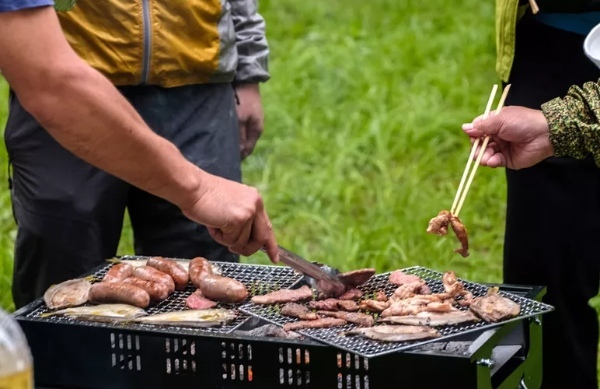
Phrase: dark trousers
(70, 214)
(553, 212)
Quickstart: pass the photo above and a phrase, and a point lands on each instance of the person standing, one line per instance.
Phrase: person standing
(192, 71)
(553, 206)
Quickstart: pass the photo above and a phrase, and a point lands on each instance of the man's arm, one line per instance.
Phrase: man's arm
(85, 113)
(252, 68)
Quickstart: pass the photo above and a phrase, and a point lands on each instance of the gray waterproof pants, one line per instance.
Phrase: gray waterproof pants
(70, 214)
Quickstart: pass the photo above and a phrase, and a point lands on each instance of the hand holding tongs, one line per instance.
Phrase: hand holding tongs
(325, 281)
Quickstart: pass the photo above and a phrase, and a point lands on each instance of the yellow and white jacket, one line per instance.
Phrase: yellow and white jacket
(170, 43)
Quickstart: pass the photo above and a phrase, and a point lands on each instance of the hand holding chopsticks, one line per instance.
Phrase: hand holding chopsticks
(458, 198)
(444, 219)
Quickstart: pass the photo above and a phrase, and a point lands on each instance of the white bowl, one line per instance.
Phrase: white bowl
(591, 45)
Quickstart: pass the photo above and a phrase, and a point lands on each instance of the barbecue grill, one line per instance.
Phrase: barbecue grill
(71, 353)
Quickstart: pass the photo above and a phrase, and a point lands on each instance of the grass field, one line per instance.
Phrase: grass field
(362, 144)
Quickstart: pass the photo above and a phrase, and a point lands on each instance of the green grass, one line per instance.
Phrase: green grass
(362, 142)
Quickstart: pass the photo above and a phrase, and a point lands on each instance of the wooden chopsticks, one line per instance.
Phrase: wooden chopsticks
(458, 198)
(534, 7)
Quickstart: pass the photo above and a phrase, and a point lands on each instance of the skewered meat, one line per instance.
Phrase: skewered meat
(197, 301)
(324, 322)
(439, 224)
(176, 271)
(394, 333)
(298, 311)
(433, 319)
(118, 272)
(493, 307)
(360, 319)
(461, 233)
(118, 293)
(334, 305)
(284, 296)
(355, 278)
(374, 305)
(352, 294)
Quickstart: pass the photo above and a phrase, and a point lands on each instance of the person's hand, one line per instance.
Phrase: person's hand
(519, 137)
(250, 117)
(234, 215)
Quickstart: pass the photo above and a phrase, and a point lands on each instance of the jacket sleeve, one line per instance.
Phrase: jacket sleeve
(251, 42)
(574, 122)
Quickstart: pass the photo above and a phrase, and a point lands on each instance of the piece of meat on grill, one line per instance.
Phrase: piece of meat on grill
(197, 301)
(456, 289)
(417, 284)
(433, 319)
(461, 233)
(373, 305)
(334, 305)
(407, 307)
(298, 311)
(325, 322)
(352, 294)
(355, 278)
(380, 296)
(303, 293)
(394, 333)
(357, 318)
(493, 307)
(69, 293)
(439, 224)
(398, 277)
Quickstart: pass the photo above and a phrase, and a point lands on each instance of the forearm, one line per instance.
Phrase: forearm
(574, 122)
(89, 117)
(251, 42)
(84, 112)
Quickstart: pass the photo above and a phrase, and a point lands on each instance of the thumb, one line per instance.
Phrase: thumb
(481, 126)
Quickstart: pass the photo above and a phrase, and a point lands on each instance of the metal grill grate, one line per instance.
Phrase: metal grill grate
(258, 279)
(371, 348)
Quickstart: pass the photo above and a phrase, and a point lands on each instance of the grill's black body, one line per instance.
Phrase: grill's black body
(71, 354)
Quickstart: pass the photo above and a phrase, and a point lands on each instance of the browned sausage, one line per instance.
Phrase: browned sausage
(118, 293)
(172, 268)
(156, 290)
(223, 289)
(118, 272)
(198, 268)
(151, 274)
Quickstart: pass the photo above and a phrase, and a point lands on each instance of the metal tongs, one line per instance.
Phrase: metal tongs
(327, 282)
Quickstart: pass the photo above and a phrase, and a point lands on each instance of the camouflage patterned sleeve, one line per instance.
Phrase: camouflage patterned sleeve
(574, 122)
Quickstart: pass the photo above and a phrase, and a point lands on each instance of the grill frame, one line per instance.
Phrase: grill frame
(370, 348)
(75, 355)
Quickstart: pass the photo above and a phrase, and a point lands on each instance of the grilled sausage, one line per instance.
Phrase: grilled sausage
(156, 290)
(223, 289)
(118, 272)
(118, 293)
(172, 268)
(151, 274)
(199, 267)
